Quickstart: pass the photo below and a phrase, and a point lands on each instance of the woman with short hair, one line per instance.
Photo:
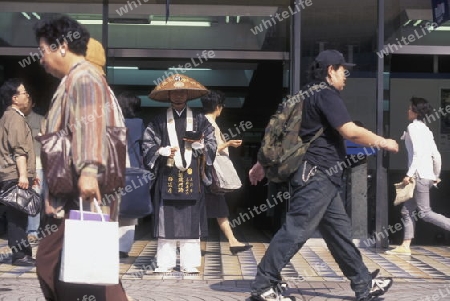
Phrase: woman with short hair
(83, 104)
(216, 205)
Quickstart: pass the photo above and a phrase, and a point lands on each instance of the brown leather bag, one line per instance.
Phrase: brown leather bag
(57, 160)
(58, 166)
(113, 177)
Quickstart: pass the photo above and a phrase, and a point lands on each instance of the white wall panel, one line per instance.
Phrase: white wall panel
(359, 95)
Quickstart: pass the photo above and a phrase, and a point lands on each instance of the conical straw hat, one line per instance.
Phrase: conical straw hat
(178, 82)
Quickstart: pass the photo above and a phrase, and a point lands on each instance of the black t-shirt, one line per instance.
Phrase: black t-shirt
(325, 108)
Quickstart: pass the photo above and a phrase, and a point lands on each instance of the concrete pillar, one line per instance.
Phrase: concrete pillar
(358, 199)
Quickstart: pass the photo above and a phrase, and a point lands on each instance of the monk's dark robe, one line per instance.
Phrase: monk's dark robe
(179, 195)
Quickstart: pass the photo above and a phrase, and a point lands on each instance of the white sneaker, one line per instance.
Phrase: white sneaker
(190, 270)
(163, 270)
(380, 286)
(271, 295)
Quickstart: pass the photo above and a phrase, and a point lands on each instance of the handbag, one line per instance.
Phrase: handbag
(113, 177)
(57, 163)
(224, 176)
(136, 201)
(90, 253)
(404, 192)
(24, 200)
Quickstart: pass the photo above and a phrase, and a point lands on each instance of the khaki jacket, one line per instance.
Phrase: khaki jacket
(15, 140)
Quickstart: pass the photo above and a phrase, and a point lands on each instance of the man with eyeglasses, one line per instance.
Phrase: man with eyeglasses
(18, 163)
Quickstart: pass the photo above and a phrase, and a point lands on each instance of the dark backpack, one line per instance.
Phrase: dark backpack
(282, 148)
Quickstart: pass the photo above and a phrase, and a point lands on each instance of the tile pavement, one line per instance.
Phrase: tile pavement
(312, 273)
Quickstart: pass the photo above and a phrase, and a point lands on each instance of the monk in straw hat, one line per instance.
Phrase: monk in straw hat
(174, 145)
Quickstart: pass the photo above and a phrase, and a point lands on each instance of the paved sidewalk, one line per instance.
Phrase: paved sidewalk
(312, 274)
(191, 290)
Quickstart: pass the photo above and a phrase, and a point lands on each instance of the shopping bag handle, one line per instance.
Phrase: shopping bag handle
(97, 207)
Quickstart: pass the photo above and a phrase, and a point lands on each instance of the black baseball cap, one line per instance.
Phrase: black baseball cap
(332, 57)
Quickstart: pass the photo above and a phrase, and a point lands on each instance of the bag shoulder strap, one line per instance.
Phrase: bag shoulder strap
(319, 132)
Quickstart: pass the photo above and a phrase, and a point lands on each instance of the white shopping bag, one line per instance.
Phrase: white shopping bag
(90, 253)
(225, 177)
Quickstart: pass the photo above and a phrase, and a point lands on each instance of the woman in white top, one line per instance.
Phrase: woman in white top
(216, 205)
(424, 164)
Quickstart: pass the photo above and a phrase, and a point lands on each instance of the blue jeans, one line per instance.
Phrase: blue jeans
(34, 221)
(315, 203)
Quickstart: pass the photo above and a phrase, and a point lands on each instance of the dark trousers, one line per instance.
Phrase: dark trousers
(315, 203)
(17, 227)
(17, 233)
(48, 263)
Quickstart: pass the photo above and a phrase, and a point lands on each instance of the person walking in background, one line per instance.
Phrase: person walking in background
(95, 54)
(81, 93)
(315, 201)
(18, 163)
(35, 121)
(130, 104)
(424, 165)
(175, 144)
(216, 205)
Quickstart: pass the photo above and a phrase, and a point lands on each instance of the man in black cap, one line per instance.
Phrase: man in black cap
(315, 202)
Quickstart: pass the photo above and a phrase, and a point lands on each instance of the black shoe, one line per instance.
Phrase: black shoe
(26, 261)
(235, 250)
(379, 286)
(123, 255)
(375, 273)
(281, 287)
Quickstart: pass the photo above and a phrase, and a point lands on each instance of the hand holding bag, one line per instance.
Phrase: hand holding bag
(90, 253)
(224, 176)
(24, 200)
(404, 192)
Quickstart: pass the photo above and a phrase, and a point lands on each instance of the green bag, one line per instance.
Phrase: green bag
(282, 148)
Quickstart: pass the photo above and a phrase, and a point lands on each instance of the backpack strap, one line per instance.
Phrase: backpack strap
(294, 149)
(319, 132)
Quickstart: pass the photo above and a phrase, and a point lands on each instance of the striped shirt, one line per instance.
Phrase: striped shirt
(85, 105)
